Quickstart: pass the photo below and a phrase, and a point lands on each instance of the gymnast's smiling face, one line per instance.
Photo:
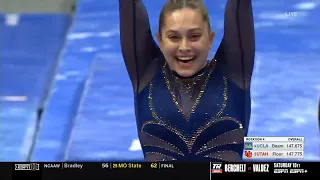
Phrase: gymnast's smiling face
(185, 40)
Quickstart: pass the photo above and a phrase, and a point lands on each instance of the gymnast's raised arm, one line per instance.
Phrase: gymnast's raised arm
(139, 49)
(237, 49)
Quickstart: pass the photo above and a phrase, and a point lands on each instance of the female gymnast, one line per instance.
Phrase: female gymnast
(188, 108)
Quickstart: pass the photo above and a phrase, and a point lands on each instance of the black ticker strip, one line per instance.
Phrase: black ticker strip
(166, 170)
(126, 170)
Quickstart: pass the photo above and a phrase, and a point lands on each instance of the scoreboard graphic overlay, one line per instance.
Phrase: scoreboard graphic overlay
(273, 148)
(260, 148)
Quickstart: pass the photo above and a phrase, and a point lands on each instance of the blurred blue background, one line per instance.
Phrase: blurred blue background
(69, 70)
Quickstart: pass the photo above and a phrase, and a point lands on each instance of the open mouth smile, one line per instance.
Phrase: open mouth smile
(185, 59)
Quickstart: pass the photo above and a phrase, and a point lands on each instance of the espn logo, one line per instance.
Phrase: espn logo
(216, 167)
(27, 167)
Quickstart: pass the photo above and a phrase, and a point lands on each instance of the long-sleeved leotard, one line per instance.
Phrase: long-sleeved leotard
(139, 49)
(235, 53)
(204, 117)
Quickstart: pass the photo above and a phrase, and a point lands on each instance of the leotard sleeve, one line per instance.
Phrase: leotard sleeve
(139, 49)
(237, 49)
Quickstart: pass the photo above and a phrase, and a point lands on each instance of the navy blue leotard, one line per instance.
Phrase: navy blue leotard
(200, 118)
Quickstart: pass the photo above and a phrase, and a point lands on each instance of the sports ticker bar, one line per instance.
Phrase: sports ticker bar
(116, 170)
(162, 170)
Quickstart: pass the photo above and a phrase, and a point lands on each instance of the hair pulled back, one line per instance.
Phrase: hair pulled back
(173, 5)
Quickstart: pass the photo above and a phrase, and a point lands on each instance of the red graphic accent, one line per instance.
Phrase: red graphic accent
(216, 171)
(248, 154)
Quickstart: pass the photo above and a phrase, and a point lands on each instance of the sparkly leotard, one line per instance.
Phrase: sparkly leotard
(201, 118)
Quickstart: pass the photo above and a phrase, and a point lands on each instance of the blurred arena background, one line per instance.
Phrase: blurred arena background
(65, 94)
